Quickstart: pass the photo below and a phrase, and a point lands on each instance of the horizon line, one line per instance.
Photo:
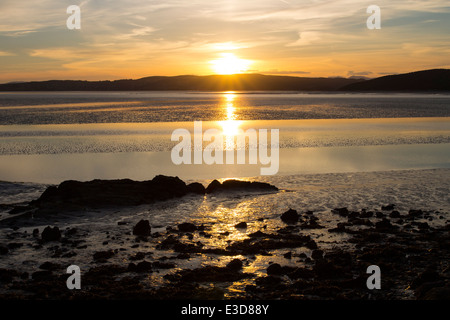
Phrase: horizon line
(353, 77)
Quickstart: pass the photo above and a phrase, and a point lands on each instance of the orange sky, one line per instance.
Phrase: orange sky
(138, 38)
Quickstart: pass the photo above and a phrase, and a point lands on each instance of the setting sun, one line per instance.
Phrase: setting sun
(230, 64)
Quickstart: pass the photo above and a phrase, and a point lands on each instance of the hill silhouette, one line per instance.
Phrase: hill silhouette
(247, 82)
(427, 80)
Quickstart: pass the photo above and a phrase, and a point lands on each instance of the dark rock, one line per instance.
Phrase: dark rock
(317, 254)
(14, 245)
(327, 270)
(439, 293)
(204, 234)
(105, 272)
(196, 188)
(241, 225)
(238, 185)
(235, 264)
(268, 282)
(311, 244)
(340, 228)
(353, 215)
(365, 237)
(186, 227)
(288, 255)
(341, 211)
(250, 288)
(49, 266)
(142, 228)
(76, 195)
(301, 273)
(415, 213)
(168, 243)
(366, 214)
(384, 224)
(103, 255)
(213, 186)
(312, 224)
(19, 209)
(143, 266)
(51, 234)
(3, 250)
(7, 275)
(274, 269)
(394, 214)
(162, 265)
(383, 254)
(290, 216)
(261, 246)
(137, 256)
(361, 222)
(339, 258)
(257, 234)
(183, 255)
(42, 275)
(71, 231)
(35, 232)
(97, 193)
(424, 277)
(69, 254)
(388, 207)
(423, 225)
(188, 247)
(208, 274)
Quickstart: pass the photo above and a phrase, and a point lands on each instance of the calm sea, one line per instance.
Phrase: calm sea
(125, 107)
(49, 137)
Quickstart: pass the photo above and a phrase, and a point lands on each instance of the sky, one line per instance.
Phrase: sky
(130, 39)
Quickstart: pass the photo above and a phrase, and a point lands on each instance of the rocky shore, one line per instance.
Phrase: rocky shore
(75, 195)
(142, 261)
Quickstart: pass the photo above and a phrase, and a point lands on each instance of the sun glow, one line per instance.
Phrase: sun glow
(230, 64)
(230, 126)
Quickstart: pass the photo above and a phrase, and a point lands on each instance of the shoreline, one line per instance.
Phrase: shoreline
(236, 246)
(409, 271)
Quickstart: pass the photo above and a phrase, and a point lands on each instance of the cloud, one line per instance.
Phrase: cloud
(286, 72)
(359, 75)
(362, 73)
(306, 38)
(18, 33)
(139, 31)
(4, 53)
(286, 35)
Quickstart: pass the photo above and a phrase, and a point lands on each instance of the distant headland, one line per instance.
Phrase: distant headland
(435, 80)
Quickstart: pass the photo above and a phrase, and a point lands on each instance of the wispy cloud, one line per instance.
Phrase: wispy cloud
(288, 72)
(4, 53)
(177, 36)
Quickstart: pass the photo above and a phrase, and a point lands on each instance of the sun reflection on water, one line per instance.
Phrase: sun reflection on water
(230, 126)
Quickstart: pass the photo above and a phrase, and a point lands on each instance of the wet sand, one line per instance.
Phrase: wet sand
(258, 255)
